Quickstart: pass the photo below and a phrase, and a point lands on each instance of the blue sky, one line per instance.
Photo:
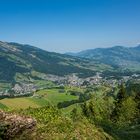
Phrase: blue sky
(70, 25)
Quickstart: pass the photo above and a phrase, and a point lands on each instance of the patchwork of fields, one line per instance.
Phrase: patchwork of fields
(41, 98)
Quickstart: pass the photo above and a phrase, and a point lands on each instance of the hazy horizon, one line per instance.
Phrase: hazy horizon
(72, 50)
(70, 26)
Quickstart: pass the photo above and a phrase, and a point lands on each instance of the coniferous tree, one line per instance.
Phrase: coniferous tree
(137, 100)
(118, 104)
(122, 94)
(125, 109)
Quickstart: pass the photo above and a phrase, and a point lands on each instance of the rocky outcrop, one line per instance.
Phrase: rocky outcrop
(12, 124)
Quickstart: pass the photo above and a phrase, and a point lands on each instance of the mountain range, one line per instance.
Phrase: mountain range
(118, 56)
(25, 62)
(24, 59)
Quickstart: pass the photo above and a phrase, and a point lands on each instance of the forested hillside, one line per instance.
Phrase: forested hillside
(17, 58)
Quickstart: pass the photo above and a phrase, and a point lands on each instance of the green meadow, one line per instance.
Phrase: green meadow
(41, 98)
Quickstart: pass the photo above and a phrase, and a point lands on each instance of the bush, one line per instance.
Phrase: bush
(98, 108)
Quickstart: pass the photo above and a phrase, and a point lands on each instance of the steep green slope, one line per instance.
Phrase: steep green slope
(52, 125)
(16, 58)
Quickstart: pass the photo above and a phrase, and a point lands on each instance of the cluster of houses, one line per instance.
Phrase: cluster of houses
(74, 80)
(19, 90)
(25, 89)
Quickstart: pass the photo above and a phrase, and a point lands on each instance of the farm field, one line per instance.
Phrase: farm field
(41, 98)
(53, 96)
(17, 103)
(2, 106)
